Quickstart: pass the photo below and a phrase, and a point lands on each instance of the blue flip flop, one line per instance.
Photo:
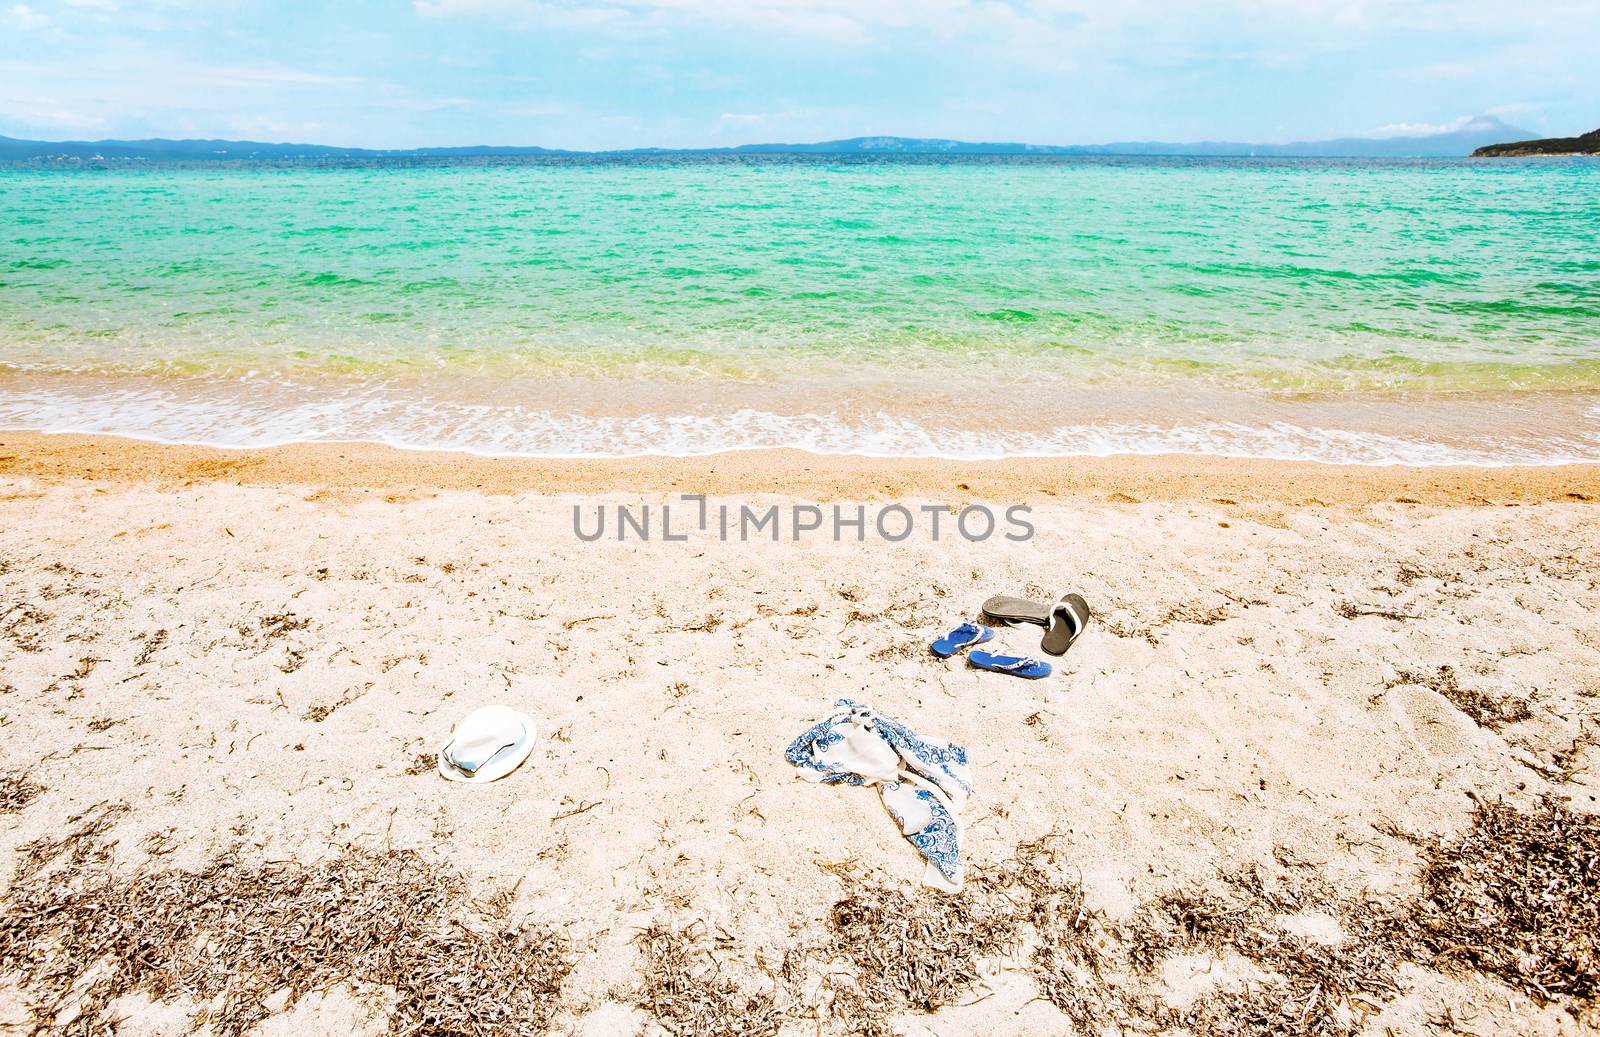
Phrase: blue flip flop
(1016, 665)
(964, 636)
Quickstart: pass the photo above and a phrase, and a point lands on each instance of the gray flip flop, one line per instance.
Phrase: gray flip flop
(1068, 618)
(1003, 608)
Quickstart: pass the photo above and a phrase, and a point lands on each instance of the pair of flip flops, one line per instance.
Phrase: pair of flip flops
(968, 634)
(1064, 620)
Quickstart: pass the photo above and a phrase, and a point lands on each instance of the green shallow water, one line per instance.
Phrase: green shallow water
(1168, 293)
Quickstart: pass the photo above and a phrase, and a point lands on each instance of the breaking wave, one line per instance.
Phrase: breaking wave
(513, 431)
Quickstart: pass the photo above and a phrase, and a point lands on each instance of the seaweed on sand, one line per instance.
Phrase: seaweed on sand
(1517, 895)
(886, 949)
(17, 790)
(684, 987)
(78, 933)
(920, 949)
(1304, 985)
(1099, 971)
(1486, 710)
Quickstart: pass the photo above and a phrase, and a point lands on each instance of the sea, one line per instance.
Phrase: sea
(1386, 312)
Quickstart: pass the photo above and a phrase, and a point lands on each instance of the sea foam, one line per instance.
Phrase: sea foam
(513, 431)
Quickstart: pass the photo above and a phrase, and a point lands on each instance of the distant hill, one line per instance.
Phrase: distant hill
(1458, 143)
(1588, 144)
(1455, 144)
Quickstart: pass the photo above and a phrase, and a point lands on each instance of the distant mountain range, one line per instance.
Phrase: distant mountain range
(1456, 143)
(1587, 144)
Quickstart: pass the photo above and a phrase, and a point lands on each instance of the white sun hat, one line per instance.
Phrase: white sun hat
(490, 743)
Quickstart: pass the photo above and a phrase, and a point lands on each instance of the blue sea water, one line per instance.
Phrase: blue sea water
(1381, 311)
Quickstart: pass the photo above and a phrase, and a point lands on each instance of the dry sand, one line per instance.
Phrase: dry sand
(252, 650)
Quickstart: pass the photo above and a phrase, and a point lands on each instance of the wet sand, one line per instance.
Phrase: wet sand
(370, 468)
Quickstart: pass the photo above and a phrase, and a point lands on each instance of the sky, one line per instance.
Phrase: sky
(595, 74)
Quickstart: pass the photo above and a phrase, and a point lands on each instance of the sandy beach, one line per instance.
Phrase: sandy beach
(1301, 686)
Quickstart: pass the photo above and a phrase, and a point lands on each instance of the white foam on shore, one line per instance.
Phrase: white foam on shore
(512, 431)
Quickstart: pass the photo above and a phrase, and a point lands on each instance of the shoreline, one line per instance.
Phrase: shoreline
(1127, 478)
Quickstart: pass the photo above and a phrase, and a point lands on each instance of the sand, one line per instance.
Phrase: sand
(252, 650)
(356, 468)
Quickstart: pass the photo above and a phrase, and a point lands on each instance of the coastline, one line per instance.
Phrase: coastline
(369, 468)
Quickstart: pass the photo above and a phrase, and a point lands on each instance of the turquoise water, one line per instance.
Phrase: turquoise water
(1418, 312)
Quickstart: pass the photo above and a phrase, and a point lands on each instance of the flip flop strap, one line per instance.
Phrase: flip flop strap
(1021, 664)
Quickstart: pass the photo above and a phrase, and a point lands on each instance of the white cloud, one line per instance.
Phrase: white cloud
(840, 20)
(21, 16)
(678, 70)
(1428, 129)
(1489, 120)
(184, 97)
(1055, 38)
(33, 110)
(528, 13)
(1178, 29)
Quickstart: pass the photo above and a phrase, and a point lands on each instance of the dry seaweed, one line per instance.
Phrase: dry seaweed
(1518, 895)
(898, 652)
(1097, 971)
(83, 841)
(684, 987)
(1308, 987)
(278, 625)
(1350, 610)
(921, 949)
(21, 623)
(1491, 711)
(905, 949)
(152, 644)
(1069, 963)
(81, 934)
(1569, 761)
(17, 790)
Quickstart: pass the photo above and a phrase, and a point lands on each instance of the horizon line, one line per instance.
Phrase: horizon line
(862, 143)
